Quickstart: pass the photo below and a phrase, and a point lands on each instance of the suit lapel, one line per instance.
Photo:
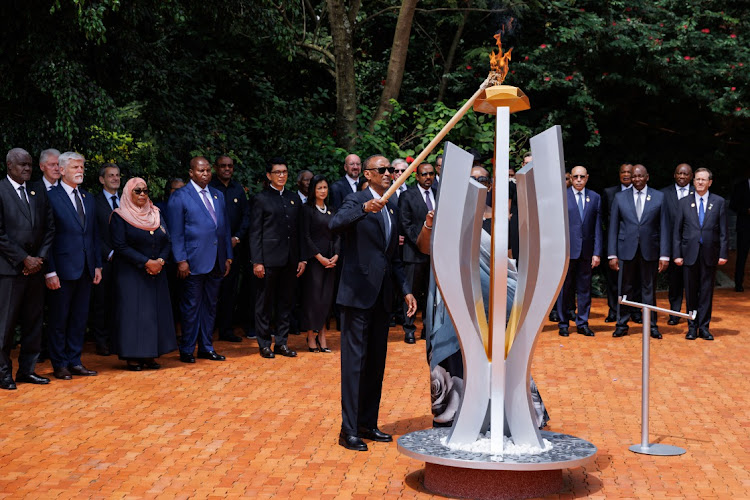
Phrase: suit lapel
(9, 191)
(34, 198)
(196, 197)
(66, 201)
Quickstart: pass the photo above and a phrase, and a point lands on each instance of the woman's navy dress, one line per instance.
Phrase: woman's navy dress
(143, 311)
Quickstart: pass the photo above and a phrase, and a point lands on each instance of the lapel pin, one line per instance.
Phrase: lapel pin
(692, 205)
(391, 211)
(216, 197)
(83, 194)
(710, 206)
(235, 200)
(588, 200)
(151, 232)
(32, 193)
(292, 202)
(648, 197)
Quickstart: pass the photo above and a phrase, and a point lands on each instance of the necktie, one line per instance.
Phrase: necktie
(25, 200)
(682, 193)
(208, 205)
(580, 204)
(701, 212)
(638, 205)
(428, 201)
(114, 202)
(387, 224)
(79, 208)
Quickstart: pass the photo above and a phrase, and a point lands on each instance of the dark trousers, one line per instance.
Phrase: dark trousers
(102, 308)
(200, 293)
(699, 292)
(675, 275)
(612, 289)
(21, 299)
(227, 299)
(577, 284)
(275, 291)
(743, 247)
(634, 271)
(364, 342)
(418, 277)
(68, 313)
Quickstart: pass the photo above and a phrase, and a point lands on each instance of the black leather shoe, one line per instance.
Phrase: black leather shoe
(102, 350)
(611, 318)
(31, 378)
(655, 334)
(151, 364)
(572, 314)
(620, 332)
(134, 366)
(409, 338)
(563, 331)
(266, 352)
(706, 335)
(554, 317)
(638, 318)
(82, 371)
(212, 355)
(62, 374)
(673, 320)
(351, 442)
(691, 335)
(374, 434)
(284, 351)
(230, 337)
(7, 383)
(187, 357)
(739, 288)
(250, 334)
(585, 330)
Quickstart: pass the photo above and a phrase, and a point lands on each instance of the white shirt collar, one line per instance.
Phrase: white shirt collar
(197, 187)
(69, 189)
(16, 185)
(644, 191)
(623, 187)
(375, 195)
(352, 182)
(698, 197)
(48, 184)
(582, 191)
(302, 197)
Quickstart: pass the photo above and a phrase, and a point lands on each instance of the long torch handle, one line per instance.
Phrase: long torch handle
(434, 142)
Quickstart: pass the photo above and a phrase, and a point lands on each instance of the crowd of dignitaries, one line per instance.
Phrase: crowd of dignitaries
(680, 229)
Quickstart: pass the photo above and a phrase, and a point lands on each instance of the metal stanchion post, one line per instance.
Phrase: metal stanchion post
(645, 447)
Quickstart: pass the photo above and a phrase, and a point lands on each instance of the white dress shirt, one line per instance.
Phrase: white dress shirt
(352, 183)
(583, 196)
(425, 193)
(698, 203)
(15, 188)
(48, 185)
(208, 193)
(680, 193)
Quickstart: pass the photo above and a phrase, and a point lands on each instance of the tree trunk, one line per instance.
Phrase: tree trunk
(397, 62)
(342, 27)
(448, 64)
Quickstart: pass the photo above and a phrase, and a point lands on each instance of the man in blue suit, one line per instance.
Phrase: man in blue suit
(639, 242)
(73, 265)
(585, 226)
(202, 248)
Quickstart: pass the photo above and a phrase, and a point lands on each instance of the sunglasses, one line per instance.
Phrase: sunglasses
(381, 170)
(427, 174)
(140, 191)
(482, 180)
(578, 176)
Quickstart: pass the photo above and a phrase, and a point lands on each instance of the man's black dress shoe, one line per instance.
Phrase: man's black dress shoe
(409, 338)
(554, 317)
(691, 335)
(7, 383)
(102, 350)
(673, 320)
(134, 366)
(82, 371)
(563, 332)
(585, 330)
(266, 352)
(655, 334)
(374, 434)
(31, 378)
(62, 374)
(620, 332)
(151, 364)
(187, 357)
(706, 335)
(284, 351)
(212, 355)
(351, 442)
(611, 318)
(230, 337)
(739, 288)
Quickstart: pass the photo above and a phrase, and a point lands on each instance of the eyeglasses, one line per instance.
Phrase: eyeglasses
(578, 176)
(280, 173)
(427, 174)
(140, 191)
(400, 171)
(482, 180)
(381, 170)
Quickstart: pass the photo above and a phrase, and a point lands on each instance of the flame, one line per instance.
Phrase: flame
(499, 62)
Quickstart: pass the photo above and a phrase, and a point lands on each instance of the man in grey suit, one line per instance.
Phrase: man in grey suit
(27, 229)
(639, 242)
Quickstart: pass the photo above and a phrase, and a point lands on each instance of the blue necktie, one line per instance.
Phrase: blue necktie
(580, 205)
(701, 215)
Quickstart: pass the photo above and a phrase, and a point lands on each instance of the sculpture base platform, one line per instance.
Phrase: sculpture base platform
(484, 476)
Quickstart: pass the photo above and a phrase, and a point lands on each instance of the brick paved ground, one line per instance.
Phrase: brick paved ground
(268, 428)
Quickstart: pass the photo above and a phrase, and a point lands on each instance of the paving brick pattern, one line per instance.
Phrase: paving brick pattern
(251, 427)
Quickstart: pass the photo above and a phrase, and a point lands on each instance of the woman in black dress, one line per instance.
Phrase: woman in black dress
(320, 274)
(143, 312)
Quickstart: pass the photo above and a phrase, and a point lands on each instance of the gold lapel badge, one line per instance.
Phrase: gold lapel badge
(391, 211)
(235, 200)
(648, 198)
(692, 205)
(32, 193)
(292, 202)
(150, 232)
(588, 200)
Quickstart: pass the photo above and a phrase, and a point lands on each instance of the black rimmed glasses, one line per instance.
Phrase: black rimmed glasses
(280, 173)
(381, 170)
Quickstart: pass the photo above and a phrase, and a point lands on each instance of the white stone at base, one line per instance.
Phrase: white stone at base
(482, 445)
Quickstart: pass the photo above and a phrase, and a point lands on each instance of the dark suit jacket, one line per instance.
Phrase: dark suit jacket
(412, 211)
(740, 203)
(626, 233)
(339, 191)
(238, 208)
(585, 236)
(275, 227)
(688, 232)
(103, 211)
(608, 197)
(75, 247)
(195, 237)
(670, 200)
(368, 264)
(23, 232)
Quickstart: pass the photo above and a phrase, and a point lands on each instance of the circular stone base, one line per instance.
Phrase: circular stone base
(491, 484)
